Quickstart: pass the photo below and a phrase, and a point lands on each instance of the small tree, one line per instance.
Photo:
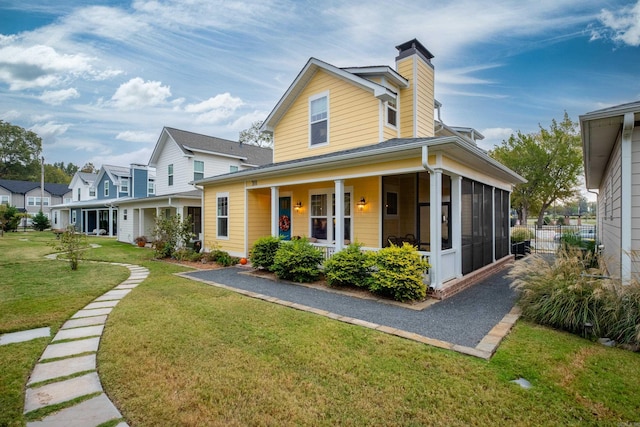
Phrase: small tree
(72, 243)
(9, 218)
(40, 222)
(170, 234)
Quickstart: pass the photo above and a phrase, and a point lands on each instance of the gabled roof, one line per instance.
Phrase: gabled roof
(114, 173)
(84, 177)
(23, 187)
(455, 147)
(306, 74)
(600, 130)
(190, 143)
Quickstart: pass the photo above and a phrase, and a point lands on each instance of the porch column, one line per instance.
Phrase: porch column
(84, 221)
(339, 237)
(275, 205)
(456, 222)
(110, 221)
(435, 200)
(141, 228)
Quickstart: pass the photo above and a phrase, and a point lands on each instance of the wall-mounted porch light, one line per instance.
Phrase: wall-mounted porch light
(361, 203)
(298, 206)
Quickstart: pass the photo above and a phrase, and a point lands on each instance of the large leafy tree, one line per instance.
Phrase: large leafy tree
(19, 152)
(253, 136)
(550, 160)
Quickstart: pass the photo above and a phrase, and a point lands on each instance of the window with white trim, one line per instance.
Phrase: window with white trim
(35, 201)
(124, 185)
(124, 214)
(67, 200)
(106, 189)
(92, 192)
(170, 174)
(198, 170)
(151, 187)
(222, 215)
(79, 194)
(319, 119)
(392, 113)
(233, 168)
(74, 217)
(4, 199)
(321, 216)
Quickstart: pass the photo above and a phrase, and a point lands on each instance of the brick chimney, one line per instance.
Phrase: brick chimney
(417, 101)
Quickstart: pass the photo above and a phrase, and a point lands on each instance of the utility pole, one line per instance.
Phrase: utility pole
(41, 183)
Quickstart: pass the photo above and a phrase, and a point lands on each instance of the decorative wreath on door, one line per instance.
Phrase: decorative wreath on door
(285, 223)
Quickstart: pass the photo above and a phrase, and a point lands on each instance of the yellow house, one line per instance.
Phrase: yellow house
(359, 157)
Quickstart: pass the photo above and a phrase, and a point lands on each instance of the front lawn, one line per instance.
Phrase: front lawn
(178, 352)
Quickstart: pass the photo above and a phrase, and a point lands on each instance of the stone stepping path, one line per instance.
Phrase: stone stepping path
(67, 368)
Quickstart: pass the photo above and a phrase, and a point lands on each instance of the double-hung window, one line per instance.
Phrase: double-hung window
(392, 113)
(92, 192)
(222, 213)
(198, 170)
(106, 189)
(4, 200)
(170, 174)
(319, 119)
(124, 185)
(151, 187)
(323, 216)
(37, 201)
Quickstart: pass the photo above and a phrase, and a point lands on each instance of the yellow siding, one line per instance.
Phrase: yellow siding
(353, 119)
(422, 111)
(235, 243)
(405, 68)
(425, 100)
(259, 224)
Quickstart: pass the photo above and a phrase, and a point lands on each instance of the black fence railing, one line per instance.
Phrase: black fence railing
(546, 239)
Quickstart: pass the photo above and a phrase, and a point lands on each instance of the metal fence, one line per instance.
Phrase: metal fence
(546, 239)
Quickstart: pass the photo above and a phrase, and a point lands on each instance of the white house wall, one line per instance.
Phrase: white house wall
(635, 202)
(182, 170)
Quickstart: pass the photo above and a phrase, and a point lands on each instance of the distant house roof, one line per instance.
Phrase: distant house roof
(87, 177)
(190, 143)
(114, 173)
(23, 187)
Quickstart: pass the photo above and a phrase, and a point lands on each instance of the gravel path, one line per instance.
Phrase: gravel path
(463, 319)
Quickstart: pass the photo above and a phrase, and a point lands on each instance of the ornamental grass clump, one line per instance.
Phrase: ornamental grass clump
(264, 251)
(398, 273)
(298, 261)
(349, 267)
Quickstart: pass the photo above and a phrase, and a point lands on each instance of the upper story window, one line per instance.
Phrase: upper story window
(198, 170)
(106, 189)
(124, 185)
(170, 174)
(319, 119)
(67, 200)
(392, 113)
(233, 168)
(151, 187)
(4, 200)
(79, 194)
(92, 192)
(35, 201)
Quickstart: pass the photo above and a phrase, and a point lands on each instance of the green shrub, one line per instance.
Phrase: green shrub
(398, 273)
(521, 234)
(348, 267)
(264, 251)
(298, 261)
(170, 233)
(40, 222)
(73, 245)
(623, 322)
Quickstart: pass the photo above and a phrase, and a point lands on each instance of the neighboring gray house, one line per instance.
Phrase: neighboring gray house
(179, 158)
(611, 147)
(27, 196)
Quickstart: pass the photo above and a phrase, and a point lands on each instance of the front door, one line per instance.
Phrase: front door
(284, 218)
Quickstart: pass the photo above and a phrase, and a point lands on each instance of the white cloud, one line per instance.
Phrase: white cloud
(57, 97)
(137, 136)
(494, 136)
(245, 121)
(10, 115)
(50, 129)
(215, 109)
(136, 93)
(109, 158)
(621, 25)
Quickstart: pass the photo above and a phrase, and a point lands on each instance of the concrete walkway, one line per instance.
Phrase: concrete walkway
(66, 370)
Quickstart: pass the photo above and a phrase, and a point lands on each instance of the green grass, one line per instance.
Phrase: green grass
(177, 352)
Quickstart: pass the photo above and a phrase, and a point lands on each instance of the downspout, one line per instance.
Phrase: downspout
(625, 195)
(435, 245)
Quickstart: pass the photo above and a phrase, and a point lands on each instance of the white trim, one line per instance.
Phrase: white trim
(275, 198)
(415, 96)
(626, 183)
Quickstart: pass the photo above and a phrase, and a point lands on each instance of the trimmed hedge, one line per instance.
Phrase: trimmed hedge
(298, 261)
(349, 267)
(263, 252)
(398, 273)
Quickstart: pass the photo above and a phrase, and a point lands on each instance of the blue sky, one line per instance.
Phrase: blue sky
(98, 80)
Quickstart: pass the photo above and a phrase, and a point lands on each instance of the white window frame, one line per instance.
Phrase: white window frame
(35, 201)
(330, 214)
(233, 168)
(4, 199)
(312, 122)
(223, 215)
(151, 187)
(170, 175)
(92, 192)
(74, 216)
(124, 214)
(105, 184)
(68, 200)
(124, 185)
(198, 177)
(393, 106)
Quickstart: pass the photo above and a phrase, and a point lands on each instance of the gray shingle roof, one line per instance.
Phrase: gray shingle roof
(254, 155)
(23, 187)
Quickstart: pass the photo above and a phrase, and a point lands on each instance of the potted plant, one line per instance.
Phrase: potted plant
(141, 241)
(521, 241)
